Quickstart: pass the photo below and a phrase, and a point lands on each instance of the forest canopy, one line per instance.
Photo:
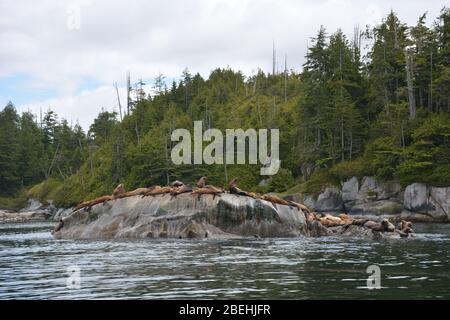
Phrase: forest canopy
(382, 110)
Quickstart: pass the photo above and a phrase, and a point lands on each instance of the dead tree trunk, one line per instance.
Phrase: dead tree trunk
(409, 81)
(118, 100)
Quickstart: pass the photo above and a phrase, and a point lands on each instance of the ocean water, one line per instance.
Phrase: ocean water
(33, 265)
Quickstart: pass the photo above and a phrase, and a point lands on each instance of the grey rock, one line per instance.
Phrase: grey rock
(429, 201)
(310, 202)
(350, 189)
(390, 190)
(362, 232)
(329, 201)
(381, 207)
(373, 190)
(184, 216)
(440, 200)
(32, 205)
(416, 198)
(416, 216)
(62, 213)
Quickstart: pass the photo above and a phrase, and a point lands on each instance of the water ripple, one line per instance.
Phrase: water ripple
(34, 265)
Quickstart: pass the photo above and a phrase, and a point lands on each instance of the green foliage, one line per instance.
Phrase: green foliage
(348, 169)
(319, 181)
(344, 115)
(282, 181)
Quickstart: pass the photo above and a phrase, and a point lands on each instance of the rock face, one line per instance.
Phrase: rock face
(330, 200)
(429, 201)
(370, 197)
(34, 211)
(350, 190)
(184, 216)
(374, 198)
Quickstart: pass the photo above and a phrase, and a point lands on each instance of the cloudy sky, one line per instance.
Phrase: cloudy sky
(66, 55)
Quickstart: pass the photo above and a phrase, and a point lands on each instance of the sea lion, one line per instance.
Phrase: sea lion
(119, 190)
(59, 225)
(299, 206)
(404, 224)
(383, 226)
(275, 199)
(401, 233)
(346, 219)
(90, 203)
(177, 183)
(311, 216)
(82, 205)
(135, 192)
(158, 190)
(235, 190)
(405, 227)
(201, 183)
(208, 190)
(359, 222)
(99, 200)
(330, 221)
(179, 190)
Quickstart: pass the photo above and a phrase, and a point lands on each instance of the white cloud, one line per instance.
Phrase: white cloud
(81, 108)
(148, 37)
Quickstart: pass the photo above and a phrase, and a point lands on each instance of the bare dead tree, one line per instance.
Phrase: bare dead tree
(128, 92)
(410, 85)
(285, 78)
(118, 100)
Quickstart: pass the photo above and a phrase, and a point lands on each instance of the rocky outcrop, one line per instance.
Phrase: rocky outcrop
(62, 213)
(424, 200)
(361, 232)
(184, 216)
(330, 200)
(372, 198)
(34, 211)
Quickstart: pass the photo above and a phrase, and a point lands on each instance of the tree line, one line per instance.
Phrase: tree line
(376, 103)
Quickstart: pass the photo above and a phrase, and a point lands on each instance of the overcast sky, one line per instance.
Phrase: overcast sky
(66, 55)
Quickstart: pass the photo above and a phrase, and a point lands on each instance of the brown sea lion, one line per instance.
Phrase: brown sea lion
(330, 221)
(311, 216)
(135, 192)
(179, 190)
(406, 228)
(346, 219)
(82, 205)
(383, 226)
(99, 200)
(201, 183)
(253, 195)
(119, 190)
(158, 190)
(275, 199)
(401, 233)
(299, 206)
(208, 190)
(404, 224)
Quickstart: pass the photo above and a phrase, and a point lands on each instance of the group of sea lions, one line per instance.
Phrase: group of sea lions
(174, 189)
(403, 228)
(178, 187)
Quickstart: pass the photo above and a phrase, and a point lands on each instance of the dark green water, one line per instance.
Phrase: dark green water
(34, 265)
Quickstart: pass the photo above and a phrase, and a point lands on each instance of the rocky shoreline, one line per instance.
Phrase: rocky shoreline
(223, 216)
(34, 211)
(371, 198)
(228, 215)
